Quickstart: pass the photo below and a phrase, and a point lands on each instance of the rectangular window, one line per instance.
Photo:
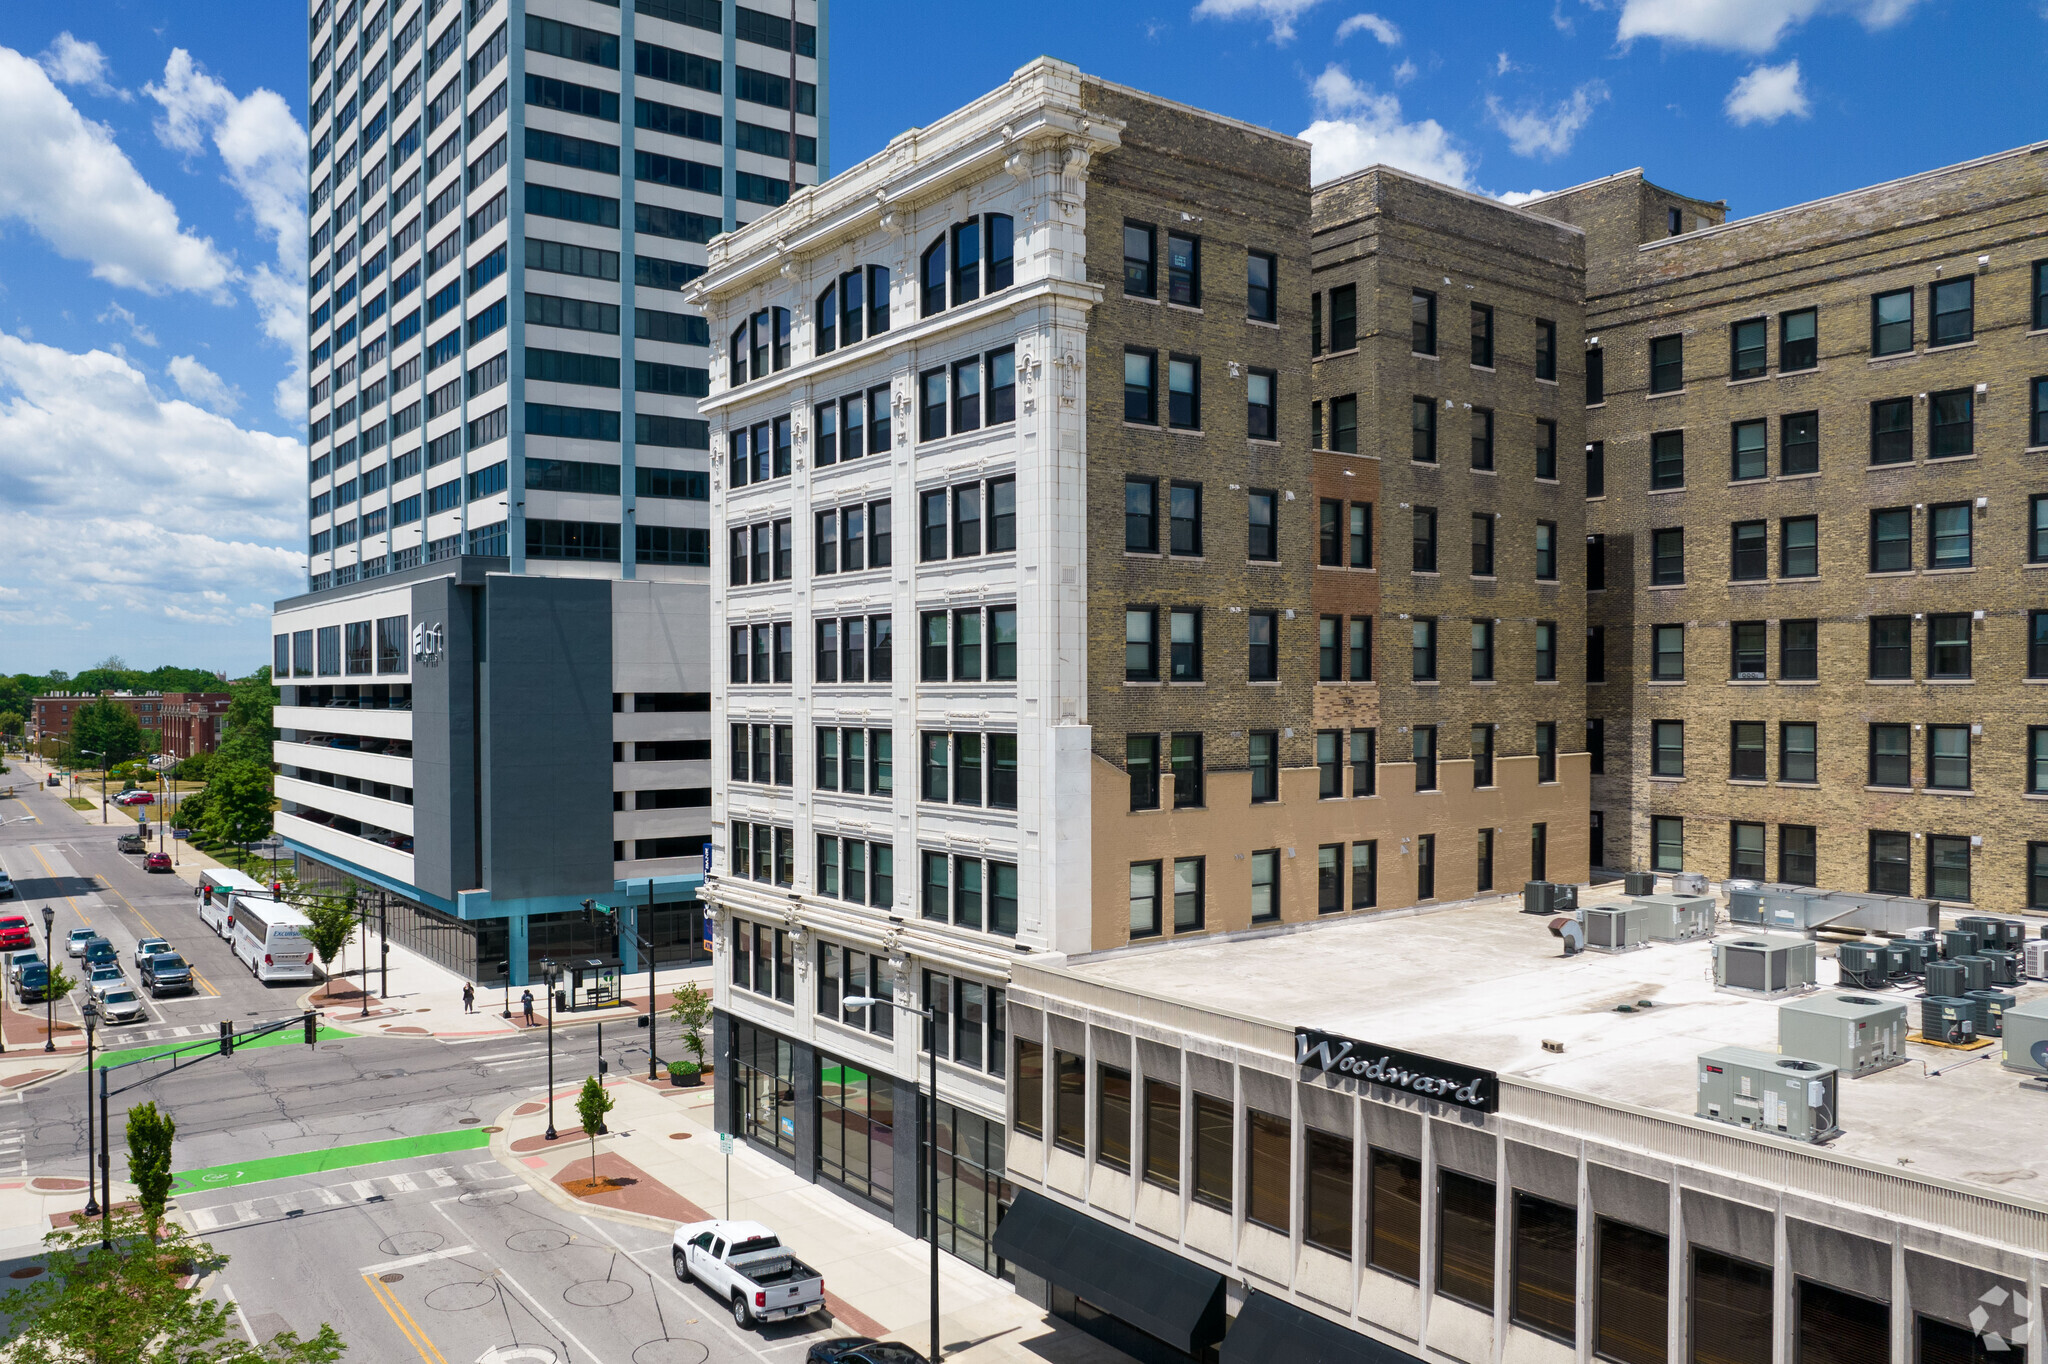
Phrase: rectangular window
(1667, 364)
(1262, 539)
(1263, 747)
(1422, 322)
(1141, 387)
(1667, 556)
(1546, 449)
(1465, 1239)
(1187, 771)
(1667, 460)
(1329, 649)
(1891, 431)
(1268, 1169)
(1667, 748)
(1394, 1215)
(1948, 645)
(1113, 1117)
(1141, 515)
(1344, 425)
(1546, 350)
(1750, 457)
(1422, 646)
(1799, 443)
(1799, 547)
(1162, 1134)
(931, 412)
(1028, 1085)
(1364, 762)
(1546, 751)
(1183, 270)
(1948, 757)
(1265, 904)
(1344, 318)
(2037, 644)
(1422, 430)
(1141, 644)
(1799, 650)
(1746, 751)
(1596, 469)
(1423, 559)
(1596, 377)
(1748, 349)
(1185, 645)
(1183, 392)
(1948, 535)
(1142, 763)
(1360, 648)
(1747, 647)
(1140, 280)
(1891, 540)
(1070, 1101)
(1184, 511)
(1482, 336)
(1482, 651)
(1423, 750)
(1948, 868)
(1955, 312)
(1188, 891)
(1798, 760)
(1144, 899)
(1544, 1292)
(2037, 529)
(2037, 432)
(1326, 1192)
(1330, 533)
(1891, 862)
(1482, 438)
(1951, 424)
(1630, 1312)
(1259, 272)
(1797, 859)
(1891, 762)
(1329, 764)
(1667, 843)
(1260, 400)
(1546, 551)
(1798, 341)
(1891, 322)
(1214, 1152)
(1263, 631)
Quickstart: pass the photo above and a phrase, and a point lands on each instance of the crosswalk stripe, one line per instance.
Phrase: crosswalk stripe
(329, 1198)
(483, 1170)
(403, 1183)
(362, 1188)
(205, 1219)
(442, 1179)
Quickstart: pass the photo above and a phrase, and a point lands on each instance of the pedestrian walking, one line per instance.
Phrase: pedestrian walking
(526, 1003)
(468, 998)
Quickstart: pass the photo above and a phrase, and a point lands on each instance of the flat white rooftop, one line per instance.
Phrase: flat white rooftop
(1486, 985)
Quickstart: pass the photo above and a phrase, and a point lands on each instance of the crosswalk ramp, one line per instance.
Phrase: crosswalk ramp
(13, 1160)
(354, 1192)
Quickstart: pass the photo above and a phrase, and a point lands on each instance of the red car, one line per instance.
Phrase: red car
(135, 798)
(157, 862)
(14, 933)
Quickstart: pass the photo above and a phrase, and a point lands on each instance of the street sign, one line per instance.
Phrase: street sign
(725, 1143)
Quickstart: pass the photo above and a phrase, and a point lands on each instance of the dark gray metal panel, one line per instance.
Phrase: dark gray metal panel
(1737, 1229)
(1467, 1152)
(1630, 1198)
(444, 740)
(1854, 1264)
(804, 1058)
(908, 1153)
(546, 696)
(724, 1095)
(1547, 1174)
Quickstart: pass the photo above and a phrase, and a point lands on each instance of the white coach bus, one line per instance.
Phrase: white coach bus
(270, 939)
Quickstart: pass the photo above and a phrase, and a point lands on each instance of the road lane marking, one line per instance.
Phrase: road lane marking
(503, 1055)
(392, 1307)
(37, 850)
(409, 1261)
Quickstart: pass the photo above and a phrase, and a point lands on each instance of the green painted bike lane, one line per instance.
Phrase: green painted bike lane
(334, 1158)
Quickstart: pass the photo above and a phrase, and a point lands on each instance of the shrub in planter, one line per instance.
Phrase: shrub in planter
(686, 1073)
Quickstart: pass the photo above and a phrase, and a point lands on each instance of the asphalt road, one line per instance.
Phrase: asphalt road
(446, 1259)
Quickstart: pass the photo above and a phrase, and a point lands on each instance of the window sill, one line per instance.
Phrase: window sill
(1889, 681)
(1551, 482)
(1490, 473)
(1654, 777)
(1263, 682)
(1485, 578)
(1763, 378)
(1947, 791)
(1485, 369)
(1933, 460)
(1948, 572)
(1890, 573)
(1262, 440)
(1545, 682)
(1426, 681)
(1890, 790)
(1657, 397)
(1334, 354)
(1596, 497)
(1424, 573)
(1791, 478)
(1665, 682)
(1890, 464)
(1953, 345)
(1664, 587)
(1799, 681)
(1666, 492)
(1747, 781)
(1795, 373)
(1483, 681)
(1261, 322)
(1798, 785)
(2035, 449)
(1950, 681)
(1130, 425)
(1745, 482)
(1130, 297)
(1423, 355)
(1143, 682)
(1192, 682)
(1143, 554)
(1424, 463)
(1748, 682)
(1591, 406)
(1541, 380)
(1263, 563)
(1894, 357)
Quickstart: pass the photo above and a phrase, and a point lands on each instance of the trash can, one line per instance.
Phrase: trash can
(1638, 883)
(561, 1001)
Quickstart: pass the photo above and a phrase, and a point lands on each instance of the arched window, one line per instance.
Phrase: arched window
(828, 321)
(737, 360)
(932, 272)
(758, 349)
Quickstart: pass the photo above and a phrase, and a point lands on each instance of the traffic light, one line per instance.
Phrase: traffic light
(206, 892)
(310, 1028)
(590, 911)
(227, 1038)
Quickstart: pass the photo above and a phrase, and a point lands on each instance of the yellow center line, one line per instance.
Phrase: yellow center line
(131, 908)
(204, 983)
(414, 1333)
(53, 876)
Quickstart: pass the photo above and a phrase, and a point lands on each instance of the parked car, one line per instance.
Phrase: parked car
(150, 947)
(100, 952)
(120, 1005)
(6, 884)
(56, 780)
(744, 1264)
(166, 973)
(135, 798)
(131, 843)
(863, 1350)
(17, 960)
(101, 979)
(32, 982)
(76, 939)
(157, 862)
(15, 933)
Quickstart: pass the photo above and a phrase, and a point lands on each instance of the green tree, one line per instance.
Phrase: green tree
(60, 982)
(150, 1134)
(11, 722)
(329, 926)
(239, 802)
(108, 730)
(188, 769)
(690, 1007)
(246, 731)
(592, 1103)
(135, 1304)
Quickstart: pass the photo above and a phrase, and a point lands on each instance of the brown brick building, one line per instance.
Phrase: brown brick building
(188, 722)
(192, 720)
(50, 715)
(1819, 446)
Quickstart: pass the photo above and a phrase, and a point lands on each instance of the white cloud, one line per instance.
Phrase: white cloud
(186, 515)
(1531, 132)
(203, 386)
(70, 181)
(118, 315)
(264, 148)
(1405, 72)
(1745, 25)
(71, 62)
(1358, 127)
(1516, 197)
(1501, 64)
(1767, 94)
(1370, 23)
(1281, 14)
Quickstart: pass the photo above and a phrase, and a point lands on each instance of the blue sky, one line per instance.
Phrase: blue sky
(152, 189)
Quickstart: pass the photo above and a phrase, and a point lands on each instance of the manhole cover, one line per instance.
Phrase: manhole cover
(462, 1297)
(423, 1011)
(597, 1293)
(392, 1277)
(679, 1136)
(494, 1129)
(672, 1351)
(26, 1272)
(412, 1243)
(488, 1198)
(537, 1240)
(468, 1122)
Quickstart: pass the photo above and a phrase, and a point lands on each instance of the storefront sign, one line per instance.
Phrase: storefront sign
(427, 642)
(1425, 1075)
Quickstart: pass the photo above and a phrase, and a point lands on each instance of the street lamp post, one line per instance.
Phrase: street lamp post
(549, 974)
(49, 995)
(931, 1134)
(92, 1023)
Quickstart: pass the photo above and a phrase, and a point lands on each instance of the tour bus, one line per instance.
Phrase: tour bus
(216, 886)
(270, 938)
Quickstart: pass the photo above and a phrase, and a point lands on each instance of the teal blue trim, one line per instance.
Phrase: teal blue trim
(517, 949)
(377, 879)
(728, 84)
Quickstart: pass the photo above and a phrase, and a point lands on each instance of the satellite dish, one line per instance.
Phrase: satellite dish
(1572, 931)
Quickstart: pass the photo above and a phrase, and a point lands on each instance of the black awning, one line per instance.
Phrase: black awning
(1272, 1328)
(1151, 1288)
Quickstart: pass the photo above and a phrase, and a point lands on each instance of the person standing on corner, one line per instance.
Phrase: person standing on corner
(468, 998)
(526, 1003)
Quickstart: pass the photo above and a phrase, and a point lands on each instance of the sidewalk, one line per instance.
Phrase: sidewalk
(878, 1280)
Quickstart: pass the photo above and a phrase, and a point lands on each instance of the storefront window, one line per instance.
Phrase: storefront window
(856, 1129)
(764, 1087)
(972, 1191)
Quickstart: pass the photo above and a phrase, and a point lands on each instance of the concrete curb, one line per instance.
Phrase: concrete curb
(501, 1151)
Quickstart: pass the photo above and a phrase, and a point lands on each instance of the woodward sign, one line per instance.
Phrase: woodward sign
(1425, 1075)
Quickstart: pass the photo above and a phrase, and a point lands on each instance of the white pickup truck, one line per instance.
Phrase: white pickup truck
(743, 1263)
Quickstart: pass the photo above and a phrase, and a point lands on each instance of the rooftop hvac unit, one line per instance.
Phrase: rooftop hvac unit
(1615, 928)
(1676, 918)
(2037, 959)
(1764, 964)
(1747, 899)
(1548, 897)
(2026, 1038)
(2006, 967)
(1689, 883)
(1959, 942)
(1945, 1018)
(1990, 930)
(1915, 952)
(1638, 883)
(1864, 966)
(1947, 979)
(1977, 971)
(1856, 1034)
(1991, 1007)
(1787, 1096)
